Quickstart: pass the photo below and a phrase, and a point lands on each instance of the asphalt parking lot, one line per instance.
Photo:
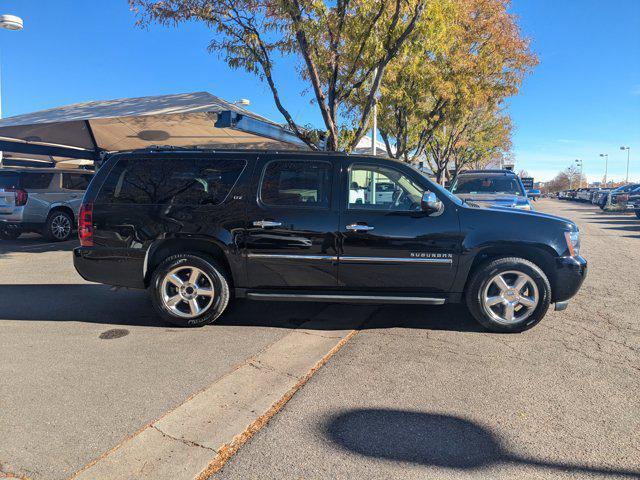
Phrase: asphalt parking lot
(416, 393)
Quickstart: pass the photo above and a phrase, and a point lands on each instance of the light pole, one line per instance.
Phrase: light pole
(628, 149)
(579, 164)
(606, 166)
(8, 22)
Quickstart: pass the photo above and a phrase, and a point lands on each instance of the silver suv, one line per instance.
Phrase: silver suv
(42, 200)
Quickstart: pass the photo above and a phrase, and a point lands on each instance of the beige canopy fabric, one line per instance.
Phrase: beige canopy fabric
(182, 120)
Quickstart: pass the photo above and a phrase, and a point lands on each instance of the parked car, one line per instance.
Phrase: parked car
(636, 208)
(599, 195)
(534, 194)
(43, 200)
(197, 228)
(493, 188)
(617, 198)
(633, 198)
(585, 194)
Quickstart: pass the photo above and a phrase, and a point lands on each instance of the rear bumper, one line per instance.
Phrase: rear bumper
(111, 266)
(570, 273)
(14, 215)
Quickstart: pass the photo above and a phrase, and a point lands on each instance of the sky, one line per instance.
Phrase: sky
(583, 99)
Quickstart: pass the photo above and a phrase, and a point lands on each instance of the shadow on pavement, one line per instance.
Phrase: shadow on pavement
(93, 303)
(436, 440)
(35, 244)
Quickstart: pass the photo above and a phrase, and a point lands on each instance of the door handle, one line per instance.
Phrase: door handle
(359, 227)
(266, 223)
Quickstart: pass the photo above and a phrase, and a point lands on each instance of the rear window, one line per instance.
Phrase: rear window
(470, 184)
(9, 180)
(36, 181)
(176, 182)
(75, 181)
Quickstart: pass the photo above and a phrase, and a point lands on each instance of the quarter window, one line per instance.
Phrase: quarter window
(382, 188)
(175, 182)
(36, 181)
(296, 184)
(75, 181)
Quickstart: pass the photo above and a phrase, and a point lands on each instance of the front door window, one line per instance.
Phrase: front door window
(382, 188)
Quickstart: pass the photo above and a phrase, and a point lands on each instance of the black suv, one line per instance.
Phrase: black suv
(199, 227)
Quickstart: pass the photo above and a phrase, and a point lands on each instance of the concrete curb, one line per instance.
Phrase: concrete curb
(198, 437)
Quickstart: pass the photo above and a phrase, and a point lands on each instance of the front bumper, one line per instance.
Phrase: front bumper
(570, 273)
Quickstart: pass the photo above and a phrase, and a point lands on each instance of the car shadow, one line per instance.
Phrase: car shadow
(437, 440)
(33, 243)
(101, 304)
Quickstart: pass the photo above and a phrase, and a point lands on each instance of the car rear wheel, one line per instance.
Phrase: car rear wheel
(59, 226)
(189, 290)
(508, 295)
(10, 232)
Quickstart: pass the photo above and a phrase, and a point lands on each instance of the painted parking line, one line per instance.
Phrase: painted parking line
(197, 438)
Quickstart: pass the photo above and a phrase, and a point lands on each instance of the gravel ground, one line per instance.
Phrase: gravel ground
(423, 393)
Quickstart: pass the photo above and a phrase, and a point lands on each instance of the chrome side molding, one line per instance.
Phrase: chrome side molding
(348, 259)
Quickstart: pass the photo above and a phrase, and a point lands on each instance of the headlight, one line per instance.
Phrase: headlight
(573, 242)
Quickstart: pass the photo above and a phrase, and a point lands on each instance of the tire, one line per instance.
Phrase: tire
(496, 317)
(637, 212)
(10, 232)
(184, 313)
(59, 226)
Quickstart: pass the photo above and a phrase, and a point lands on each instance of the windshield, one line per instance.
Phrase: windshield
(487, 184)
(435, 187)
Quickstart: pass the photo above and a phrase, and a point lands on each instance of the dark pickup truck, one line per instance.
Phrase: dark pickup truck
(198, 228)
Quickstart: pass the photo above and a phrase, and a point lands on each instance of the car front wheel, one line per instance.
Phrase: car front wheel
(508, 295)
(189, 290)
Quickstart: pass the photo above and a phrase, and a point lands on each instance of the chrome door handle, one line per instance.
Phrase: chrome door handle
(358, 227)
(266, 223)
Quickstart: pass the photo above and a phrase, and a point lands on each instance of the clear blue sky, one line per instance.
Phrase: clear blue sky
(583, 99)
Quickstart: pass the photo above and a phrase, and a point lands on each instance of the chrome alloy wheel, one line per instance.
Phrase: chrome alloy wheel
(510, 297)
(187, 291)
(60, 226)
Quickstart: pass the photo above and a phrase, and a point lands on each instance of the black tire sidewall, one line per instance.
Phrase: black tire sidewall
(488, 271)
(49, 234)
(215, 272)
(10, 232)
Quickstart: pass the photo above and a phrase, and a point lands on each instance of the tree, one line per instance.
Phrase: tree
(481, 137)
(343, 47)
(566, 180)
(469, 57)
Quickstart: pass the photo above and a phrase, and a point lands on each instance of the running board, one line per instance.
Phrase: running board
(305, 297)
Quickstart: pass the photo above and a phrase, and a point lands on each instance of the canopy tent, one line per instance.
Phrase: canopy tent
(199, 119)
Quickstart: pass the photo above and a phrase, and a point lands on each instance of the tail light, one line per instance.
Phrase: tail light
(85, 225)
(21, 196)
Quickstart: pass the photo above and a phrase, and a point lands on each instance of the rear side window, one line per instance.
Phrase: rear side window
(75, 181)
(9, 180)
(296, 183)
(175, 182)
(36, 181)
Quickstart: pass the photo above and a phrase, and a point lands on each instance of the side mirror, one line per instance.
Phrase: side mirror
(430, 203)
